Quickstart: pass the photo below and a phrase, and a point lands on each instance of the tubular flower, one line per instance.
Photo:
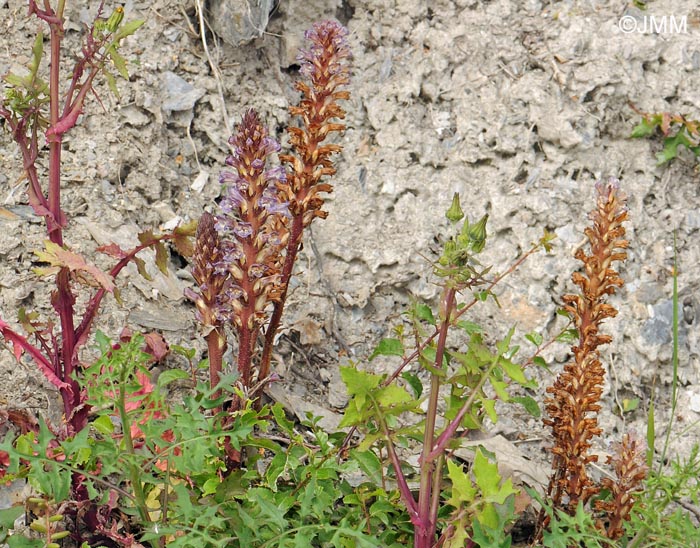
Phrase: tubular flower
(253, 223)
(629, 463)
(253, 229)
(208, 252)
(576, 392)
(325, 68)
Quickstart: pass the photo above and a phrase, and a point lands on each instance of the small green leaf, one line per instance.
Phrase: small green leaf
(463, 490)
(141, 267)
(414, 382)
(171, 375)
(118, 61)
(188, 353)
(128, 29)
(162, 257)
(388, 347)
(425, 313)
(9, 515)
(104, 425)
(568, 336)
(539, 361)
(530, 405)
(535, 338)
(392, 395)
(489, 480)
(514, 371)
(643, 129)
(629, 404)
(210, 486)
(281, 419)
(359, 382)
(370, 464)
(469, 327)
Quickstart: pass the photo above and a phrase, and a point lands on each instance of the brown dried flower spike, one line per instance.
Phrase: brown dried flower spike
(576, 393)
(629, 463)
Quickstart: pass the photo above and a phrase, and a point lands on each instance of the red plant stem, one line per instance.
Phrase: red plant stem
(65, 299)
(244, 354)
(216, 344)
(424, 538)
(404, 489)
(391, 378)
(451, 429)
(293, 246)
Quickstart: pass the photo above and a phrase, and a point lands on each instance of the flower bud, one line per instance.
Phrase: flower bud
(455, 213)
(115, 19)
(477, 234)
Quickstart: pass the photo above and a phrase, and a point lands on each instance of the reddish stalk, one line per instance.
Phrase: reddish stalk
(425, 535)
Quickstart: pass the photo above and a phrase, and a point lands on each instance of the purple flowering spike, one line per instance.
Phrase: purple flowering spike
(253, 208)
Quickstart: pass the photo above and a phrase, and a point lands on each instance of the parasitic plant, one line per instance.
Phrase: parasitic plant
(326, 71)
(629, 463)
(574, 400)
(264, 211)
(211, 280)
(254, 234)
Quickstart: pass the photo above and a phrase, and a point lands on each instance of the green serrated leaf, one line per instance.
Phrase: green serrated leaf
(281, 419)
(671, 144)
(370, 464)
(359, 382)
(425, 313)
(104, 425)
(488, 480)
(392, 395)
(643, 129)
(388, 347)
(171, 375)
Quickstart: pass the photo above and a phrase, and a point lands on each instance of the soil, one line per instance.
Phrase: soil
(520, 106)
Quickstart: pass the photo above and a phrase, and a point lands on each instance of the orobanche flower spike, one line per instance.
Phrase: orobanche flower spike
(574, 398)
(254, 234)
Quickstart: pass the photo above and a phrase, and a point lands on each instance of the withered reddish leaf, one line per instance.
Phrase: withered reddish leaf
(161, 257)
(141, 267)
(147, 237)
(59, 257)
(17, 350)
(113, 250)
(182, 238)
(156, 345)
